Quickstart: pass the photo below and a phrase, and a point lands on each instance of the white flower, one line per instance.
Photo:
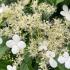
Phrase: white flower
(43, 46)
(67, 64)
(50, 54)
(52, 63)
(16, 44)
(3, 8)
(63, 58)
(1, 40)
(65, 12)
(9, 67)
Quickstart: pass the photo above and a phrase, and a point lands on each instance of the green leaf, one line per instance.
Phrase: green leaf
(55, 2)
(3, 50)
(3, 64)
(59, 1)
(27, 63)
(3, 47)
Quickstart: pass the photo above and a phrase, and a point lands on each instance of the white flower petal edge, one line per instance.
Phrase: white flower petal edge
(3, 8)
(16, 38)
(10, 43)
(61, 59)
(65, 8)
(21, 45)
(65, 12)
(9, 67)
(67, 64)
(15, 49)
(52, 63)
(1, 40)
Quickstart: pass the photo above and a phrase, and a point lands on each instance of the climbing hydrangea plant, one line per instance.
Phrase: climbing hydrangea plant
(34, 35)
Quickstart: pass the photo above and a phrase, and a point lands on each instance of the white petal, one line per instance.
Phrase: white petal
(16, 38)
(68, 17)
(61, 59)
(10, 43)
(63, 13)
(15, 49)
(67, 64)
(65, 8)
(1, 40)
(9, 67)
(52, 63)
(1, 9)
(66, 54)
(14, 68)
(50, 54)
(21, 44)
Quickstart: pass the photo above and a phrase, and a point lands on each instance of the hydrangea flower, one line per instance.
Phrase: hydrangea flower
(63, 58)
(43, 46)
(52, 63)
(9, 67)
(1, 40)
(65, 12)
(50, 54)
(16, 44)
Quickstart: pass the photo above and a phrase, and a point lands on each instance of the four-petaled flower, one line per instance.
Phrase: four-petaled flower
(65, 12)
(16, 44)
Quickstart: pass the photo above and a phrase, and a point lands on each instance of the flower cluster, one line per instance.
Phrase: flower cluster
(30, 35)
